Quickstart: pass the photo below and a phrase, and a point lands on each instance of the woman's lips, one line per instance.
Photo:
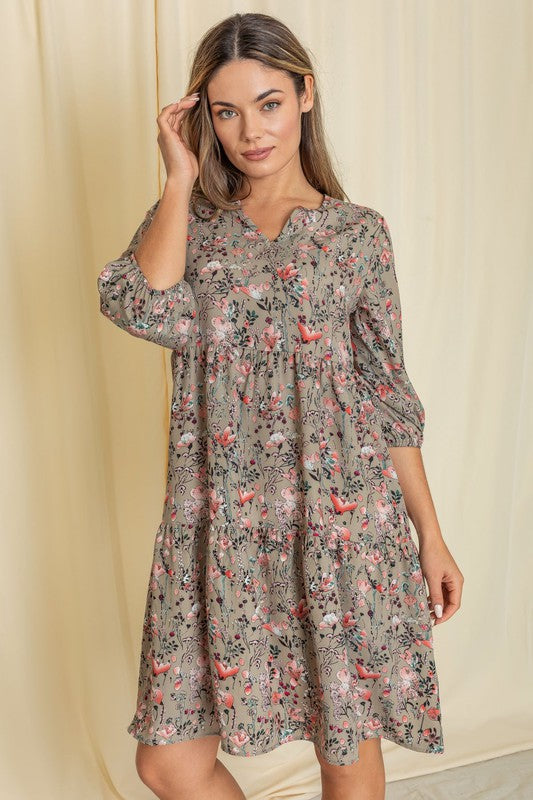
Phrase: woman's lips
(258, 155)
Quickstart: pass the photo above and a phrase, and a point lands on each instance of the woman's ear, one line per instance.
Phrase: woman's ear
(307, 99)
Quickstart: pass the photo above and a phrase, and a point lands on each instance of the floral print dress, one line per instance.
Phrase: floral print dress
(285, 598)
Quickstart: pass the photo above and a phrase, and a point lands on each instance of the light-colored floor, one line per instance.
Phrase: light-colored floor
(505, 778)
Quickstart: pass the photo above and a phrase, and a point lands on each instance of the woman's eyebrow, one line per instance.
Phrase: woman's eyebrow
(257, 99)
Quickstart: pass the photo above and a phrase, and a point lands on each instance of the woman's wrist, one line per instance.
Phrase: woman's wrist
(178, 184)
(429, 533)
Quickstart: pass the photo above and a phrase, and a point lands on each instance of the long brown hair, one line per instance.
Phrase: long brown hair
(269, 41)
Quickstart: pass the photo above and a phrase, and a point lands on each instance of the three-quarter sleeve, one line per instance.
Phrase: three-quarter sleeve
(163, 316)
(376, 336)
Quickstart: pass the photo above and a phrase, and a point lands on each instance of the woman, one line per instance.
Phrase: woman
(286, 598)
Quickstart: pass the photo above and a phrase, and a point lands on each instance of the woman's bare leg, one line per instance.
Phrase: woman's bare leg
(362, 780)
(185, 770)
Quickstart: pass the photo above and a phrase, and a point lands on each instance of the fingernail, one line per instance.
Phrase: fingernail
(438, 610)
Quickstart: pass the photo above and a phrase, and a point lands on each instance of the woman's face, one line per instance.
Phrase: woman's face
(255, 107)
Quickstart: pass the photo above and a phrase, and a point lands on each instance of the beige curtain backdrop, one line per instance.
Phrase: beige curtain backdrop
(428, 110)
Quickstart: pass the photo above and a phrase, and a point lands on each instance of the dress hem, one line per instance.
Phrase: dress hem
(297, 736)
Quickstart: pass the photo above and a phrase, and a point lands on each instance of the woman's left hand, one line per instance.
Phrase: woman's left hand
(443, 577)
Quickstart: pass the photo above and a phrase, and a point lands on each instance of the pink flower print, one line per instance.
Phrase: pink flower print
(329, 620)
(245, 496)
(277, 438)
(244, 368)
(270, 336)
(182, 326)
(276, 402)
(186, 439)
(375, 557)
(340, 291)
(408, 685)
(344, 676)
(348, 621)
(291, 475)
(417, 576)
(341, 379)
(278, 628)
(368, 451)
(331, 404)
(226, 698)
(253, 290)
(306, 247)
(427, 642)
(327, 582)
(310, 460)
(301, 611)
(296, 714)
(308, 334)
(212, 622)
(223, 329)
(198, 493)
(213, 572)
(386, 256)
(158, 570)
(344, 533)
(383, 510)
(166, 731)
(300, 290)
(295, 671)
(341, 505)
(240, 738)
(210, 267)
(215, 503)
(289, 271)
(226, 437)
(365, 673)
(158, 667)
(224, 671)
(291, 497)
(225, 542)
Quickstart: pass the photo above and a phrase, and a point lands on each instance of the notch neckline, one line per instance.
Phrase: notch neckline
(297, 215)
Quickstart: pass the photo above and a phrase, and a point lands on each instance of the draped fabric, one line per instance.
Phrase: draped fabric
(427, 109)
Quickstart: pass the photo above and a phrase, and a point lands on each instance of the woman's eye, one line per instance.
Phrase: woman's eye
(224, 110)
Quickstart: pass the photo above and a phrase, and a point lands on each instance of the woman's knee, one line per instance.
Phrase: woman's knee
(179, 766)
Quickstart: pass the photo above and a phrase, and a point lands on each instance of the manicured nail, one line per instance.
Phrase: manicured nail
(438, 610)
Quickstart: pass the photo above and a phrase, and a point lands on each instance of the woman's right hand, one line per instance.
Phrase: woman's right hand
(179, 161)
